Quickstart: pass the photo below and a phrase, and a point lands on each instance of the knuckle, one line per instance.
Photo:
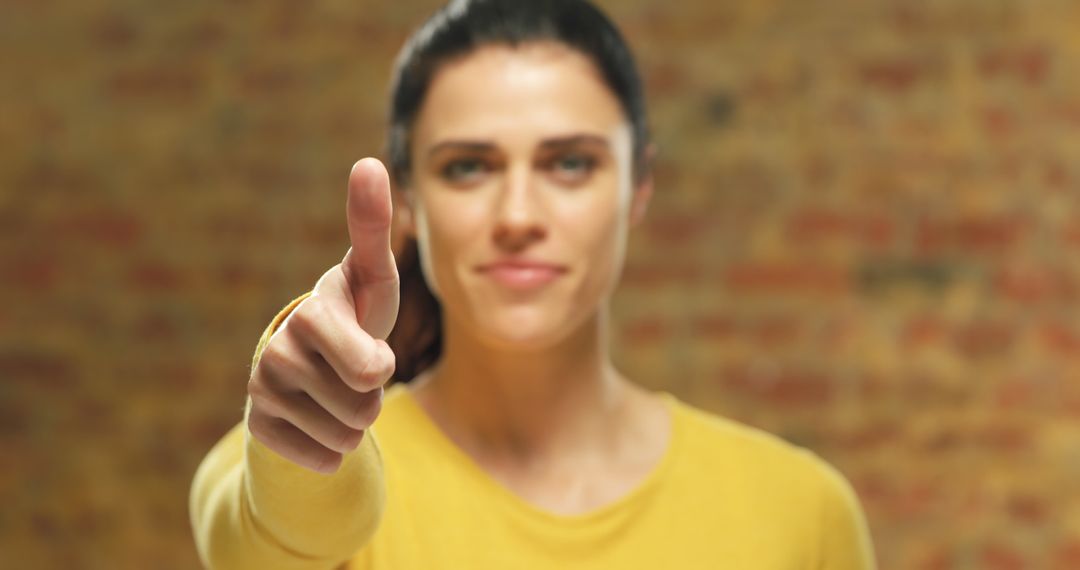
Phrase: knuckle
(273, 357)
(387, 364)
(308, 317)
(256, 388)
(260, 429)
(357, 379)
(368, 372)
(377, 368)
(348, 438)
(365, 412)
(326, 461)
(263, 397)
(391, 366)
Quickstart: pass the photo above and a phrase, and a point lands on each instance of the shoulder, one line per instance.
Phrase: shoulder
(731, 449)
(720, 438)
(745, 469)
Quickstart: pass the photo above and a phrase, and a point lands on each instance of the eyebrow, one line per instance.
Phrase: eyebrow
(555, 142)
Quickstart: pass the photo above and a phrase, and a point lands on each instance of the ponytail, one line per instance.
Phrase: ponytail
(417, 336)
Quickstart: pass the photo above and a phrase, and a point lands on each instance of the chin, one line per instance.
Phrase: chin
(524, 329)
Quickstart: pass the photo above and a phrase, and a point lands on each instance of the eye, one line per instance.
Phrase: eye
(572, 167)
(464, 170)
(573, 162)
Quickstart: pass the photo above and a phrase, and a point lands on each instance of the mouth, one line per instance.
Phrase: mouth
(522, 275)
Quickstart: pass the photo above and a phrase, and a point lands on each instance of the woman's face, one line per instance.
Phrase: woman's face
(522, 192)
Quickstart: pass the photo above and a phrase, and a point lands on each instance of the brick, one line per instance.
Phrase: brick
(985, 338)
(1067, 555)
(326, 234)
(156, 276)
(172, 83)
(774, 332)
(206, 34)
(1003, 438)
(1035, 284)
(937, 558)
(714, 327)
(237, 227)
(924, 330)
(999, 556)
(875, 435)
(945, 441)
(1029, 64)
(917, 500)
(1016, 394)
(792, 277)
(109, 228)
(665, 78)
(893, 74)
(1064, 113)
(237, 276)
(970, 234)
(43, 370)
(872, 488)
(780, 386)
(1070, 232)
(114, 31)
(1028, 509)
(646, 331)
(1061, 338)
(1056, 176)
(156, 328)
(1001, 122)
(862, 230)
(33, 273)
(14, 419)
(269, 80)
(653, 275)
(677, 229)
(47, 176)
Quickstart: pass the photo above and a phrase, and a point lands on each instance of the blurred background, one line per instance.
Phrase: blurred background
(865, 238)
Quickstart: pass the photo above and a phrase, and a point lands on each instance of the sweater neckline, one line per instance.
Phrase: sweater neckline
(635, 495)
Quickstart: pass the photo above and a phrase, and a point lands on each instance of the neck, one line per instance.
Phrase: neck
(519, 407)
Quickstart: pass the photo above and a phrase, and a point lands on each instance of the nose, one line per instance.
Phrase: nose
(518, 213)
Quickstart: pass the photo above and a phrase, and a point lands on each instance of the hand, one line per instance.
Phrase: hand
(319, 382)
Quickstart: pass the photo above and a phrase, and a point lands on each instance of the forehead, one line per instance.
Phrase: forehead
(528, 92)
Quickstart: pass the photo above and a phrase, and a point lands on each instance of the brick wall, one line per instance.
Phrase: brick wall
(864, 239)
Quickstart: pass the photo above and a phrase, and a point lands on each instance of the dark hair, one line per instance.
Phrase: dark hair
(456, 29)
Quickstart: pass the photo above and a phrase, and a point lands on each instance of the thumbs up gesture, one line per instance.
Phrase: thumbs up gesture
(319, 382)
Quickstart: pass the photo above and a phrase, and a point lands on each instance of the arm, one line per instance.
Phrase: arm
(299, 484)
(252, 508)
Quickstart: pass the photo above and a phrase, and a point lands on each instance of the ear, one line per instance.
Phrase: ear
(643, 187)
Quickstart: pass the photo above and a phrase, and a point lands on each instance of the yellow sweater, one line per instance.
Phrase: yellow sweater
(725, 495)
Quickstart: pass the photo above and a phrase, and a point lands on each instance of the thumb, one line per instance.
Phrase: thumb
(369, 267)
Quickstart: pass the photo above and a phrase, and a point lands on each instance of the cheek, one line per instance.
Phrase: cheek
(598, 233)
(445, 227)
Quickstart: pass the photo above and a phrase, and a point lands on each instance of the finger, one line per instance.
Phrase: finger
(358, 410)
(273, 397)
(307, 415)
(361, 361)
(288, 441)
(370, 212)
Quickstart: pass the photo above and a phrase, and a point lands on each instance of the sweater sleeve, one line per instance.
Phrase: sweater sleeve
(846, 542)
(252, 508)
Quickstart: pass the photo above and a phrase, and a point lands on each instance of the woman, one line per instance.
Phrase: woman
(520, 159)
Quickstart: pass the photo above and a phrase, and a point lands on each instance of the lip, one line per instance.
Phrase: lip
(522, 274)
